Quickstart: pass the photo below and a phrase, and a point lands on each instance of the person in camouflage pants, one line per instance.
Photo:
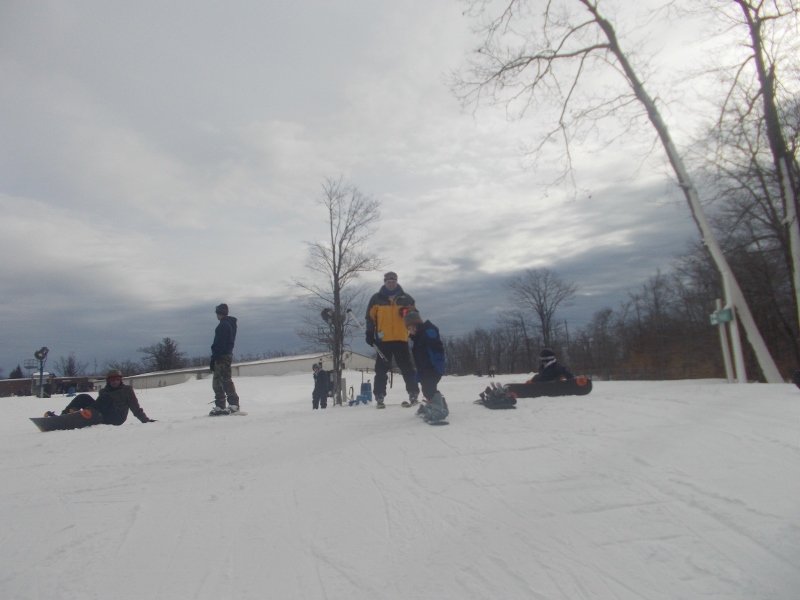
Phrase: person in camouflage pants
(221, 358)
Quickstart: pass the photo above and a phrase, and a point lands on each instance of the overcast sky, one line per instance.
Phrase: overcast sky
(158, 158)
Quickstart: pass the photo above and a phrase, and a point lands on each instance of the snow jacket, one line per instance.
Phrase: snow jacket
(114, 404)
(428, 350)
(321, 379)
(553, 373)
(224, 337)
(385, 314)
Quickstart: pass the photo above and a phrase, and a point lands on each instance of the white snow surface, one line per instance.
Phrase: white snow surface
(641, 490)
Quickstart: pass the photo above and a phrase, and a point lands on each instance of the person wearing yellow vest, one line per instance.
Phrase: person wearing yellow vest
(387, 332)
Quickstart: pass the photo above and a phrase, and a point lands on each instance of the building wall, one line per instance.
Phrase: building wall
(274, 366)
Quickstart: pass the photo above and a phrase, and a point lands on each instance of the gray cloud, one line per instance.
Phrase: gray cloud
(158, 158)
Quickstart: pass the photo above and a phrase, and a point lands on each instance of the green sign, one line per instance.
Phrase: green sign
(721, 316)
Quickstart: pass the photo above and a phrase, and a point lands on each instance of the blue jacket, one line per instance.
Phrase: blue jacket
(428, 350)
(224, 337)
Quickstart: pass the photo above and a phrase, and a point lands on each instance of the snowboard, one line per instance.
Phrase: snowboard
(796, 378)
(438, 422)
(240, 413)
(76, 420)
(580, 386)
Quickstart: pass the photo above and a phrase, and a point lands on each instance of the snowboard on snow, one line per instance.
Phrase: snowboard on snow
(76, 420)
(580, 386)
(240, 413)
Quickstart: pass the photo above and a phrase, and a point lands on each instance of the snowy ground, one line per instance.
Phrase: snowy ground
(657, 490)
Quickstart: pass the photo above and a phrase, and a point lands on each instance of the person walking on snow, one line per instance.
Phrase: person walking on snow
(221, 359)
(429, 359)
(387, 332)
(550, 369)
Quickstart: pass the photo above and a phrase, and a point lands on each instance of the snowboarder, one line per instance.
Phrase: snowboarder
(430, 362)
(113, 402)
(550, 369)
(221, 359)
(387, 331)
(319, 397)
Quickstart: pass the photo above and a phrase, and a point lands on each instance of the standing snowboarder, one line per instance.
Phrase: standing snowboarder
(319, 397)
(430, 362)
(387, 332)
(221, 359)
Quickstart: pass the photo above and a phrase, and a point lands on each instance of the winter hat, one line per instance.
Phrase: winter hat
(390, 276)
(222, 309)
(315, 367)
(547, 356)
(412, 318)
(113, 373)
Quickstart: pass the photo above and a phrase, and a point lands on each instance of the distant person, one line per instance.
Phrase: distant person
(113, 402)
(492, 371)
(319, 397)
(550, 369)
(430, 361)
(221, 359)
(387, 332)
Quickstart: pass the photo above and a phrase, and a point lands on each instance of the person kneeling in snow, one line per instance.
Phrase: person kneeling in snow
(429, 360)
(550, 370)
(113, 402)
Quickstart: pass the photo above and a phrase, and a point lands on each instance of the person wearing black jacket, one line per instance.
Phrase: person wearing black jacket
(113, 402)
(319, 397)
(221, 359)
(550, 370)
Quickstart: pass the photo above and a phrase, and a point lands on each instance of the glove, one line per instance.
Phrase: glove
(370, 338)
(211, 365)
(149, 421)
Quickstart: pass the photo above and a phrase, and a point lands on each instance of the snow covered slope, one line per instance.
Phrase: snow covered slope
(656, 490)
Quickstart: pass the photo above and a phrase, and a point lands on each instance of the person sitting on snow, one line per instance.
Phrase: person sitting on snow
(550, 370)
(113, 402)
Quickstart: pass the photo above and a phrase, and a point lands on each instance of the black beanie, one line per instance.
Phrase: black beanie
(547, 353)
(222, 309)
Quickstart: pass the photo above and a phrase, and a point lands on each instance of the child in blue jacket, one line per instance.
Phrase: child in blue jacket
(428, 352)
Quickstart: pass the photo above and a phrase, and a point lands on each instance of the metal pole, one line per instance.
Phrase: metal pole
(736, 338)
(726, 350)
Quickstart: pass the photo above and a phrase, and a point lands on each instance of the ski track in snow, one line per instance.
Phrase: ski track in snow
(641, 490)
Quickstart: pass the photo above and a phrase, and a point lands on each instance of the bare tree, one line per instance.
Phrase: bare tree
(541, 292)
(760, 79)
(338, 261)
(127, 367)
(530, 56)
(69, 366)
(163, 356)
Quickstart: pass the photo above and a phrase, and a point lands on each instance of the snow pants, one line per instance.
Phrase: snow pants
(319, 399)
(222, 383)
(402, 356)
